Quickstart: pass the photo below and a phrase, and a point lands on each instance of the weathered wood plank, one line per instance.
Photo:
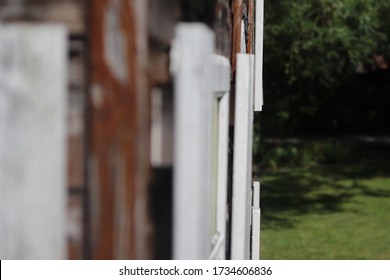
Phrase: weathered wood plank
(76, 122)
(159, 67)
(67, 12)
(251, 27)
(242, 166)
(223, 28)
(75, 226)
(237, 8)
(119, 154)
(32, 141)
(161, 150)
(162, 17)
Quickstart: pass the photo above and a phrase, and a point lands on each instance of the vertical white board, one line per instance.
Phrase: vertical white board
(242, 157)
(221, 88)
(33, 87)
(259, 34)
(191, 60)
(256, 215)
(243, 38)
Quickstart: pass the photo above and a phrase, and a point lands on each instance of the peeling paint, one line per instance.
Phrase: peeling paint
(97, 94)
(115, 43)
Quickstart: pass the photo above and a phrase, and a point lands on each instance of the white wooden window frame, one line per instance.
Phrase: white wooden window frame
(221, 71)
(199, 77)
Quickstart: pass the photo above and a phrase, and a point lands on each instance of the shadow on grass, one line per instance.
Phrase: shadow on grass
(288, 194)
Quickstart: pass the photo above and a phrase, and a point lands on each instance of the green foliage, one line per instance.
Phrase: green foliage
(320, 39)
(308, 153)
(256, 137)
(311, 49)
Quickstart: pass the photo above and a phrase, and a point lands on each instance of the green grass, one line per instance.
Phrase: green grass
(326, 212)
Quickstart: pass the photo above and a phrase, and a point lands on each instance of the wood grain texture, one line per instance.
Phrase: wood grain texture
(67, 12)
(237, 9)
(162, 17)
(223, 28)
(250, 48)
(76, 116)
(119, 156)
(32, 141)
(75, 226)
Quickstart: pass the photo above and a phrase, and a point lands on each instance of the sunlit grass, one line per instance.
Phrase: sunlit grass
(326, 212)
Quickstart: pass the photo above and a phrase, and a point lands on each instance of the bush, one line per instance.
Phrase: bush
(303, 154)
(312, 49)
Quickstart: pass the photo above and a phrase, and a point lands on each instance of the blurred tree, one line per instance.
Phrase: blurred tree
(312, 49)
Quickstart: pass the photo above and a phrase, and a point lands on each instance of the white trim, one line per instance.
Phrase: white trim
(256, 216)
(243, 38)
(221, 91)
(221, 74)
(259, 32)
(201, 80)
(192, 66)
(242, 157)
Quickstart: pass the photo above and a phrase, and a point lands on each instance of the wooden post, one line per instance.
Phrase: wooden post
(251, 27)
(119, 130)
(192, 66)
(33, 103)
(237, 8)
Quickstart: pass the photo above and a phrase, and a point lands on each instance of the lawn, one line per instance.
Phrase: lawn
(327, 212)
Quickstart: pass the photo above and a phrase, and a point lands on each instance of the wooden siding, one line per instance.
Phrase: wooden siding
(118, 57)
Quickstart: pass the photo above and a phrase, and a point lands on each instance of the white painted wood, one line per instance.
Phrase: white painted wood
(242, 165)
(33, 85)
(259, 31)
(191, 60)
(221, 74)
(221, 78)
(256, 215)
(243, 38)
(202, 82)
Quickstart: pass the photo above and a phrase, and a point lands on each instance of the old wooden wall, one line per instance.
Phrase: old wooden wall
(118, 55)
(118, 156)
(71, 14)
